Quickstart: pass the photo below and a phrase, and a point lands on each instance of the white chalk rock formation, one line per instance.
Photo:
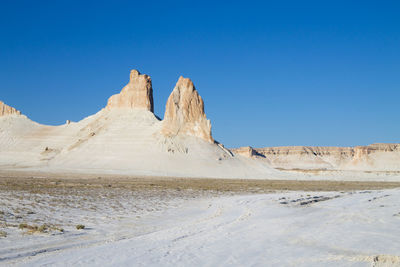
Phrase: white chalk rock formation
(382, 157)
(127, 138)
(184, 113)
(137, 94)
(246, 151)
(7, 110)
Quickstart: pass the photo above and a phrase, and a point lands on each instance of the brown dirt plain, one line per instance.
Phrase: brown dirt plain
(35, 181)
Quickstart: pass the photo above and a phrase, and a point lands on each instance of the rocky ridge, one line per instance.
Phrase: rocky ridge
(318, 150)
(7, 110)
(294, 157)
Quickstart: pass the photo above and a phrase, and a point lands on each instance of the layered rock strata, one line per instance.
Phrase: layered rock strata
(357, 151)
(306, 157)
(247, 151)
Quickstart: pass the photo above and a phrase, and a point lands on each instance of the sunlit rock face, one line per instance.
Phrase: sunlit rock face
(137, 94)
(382, 157)
(184, 112)
(7, 110)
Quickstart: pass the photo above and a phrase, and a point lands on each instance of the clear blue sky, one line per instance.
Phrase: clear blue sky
(271, 72)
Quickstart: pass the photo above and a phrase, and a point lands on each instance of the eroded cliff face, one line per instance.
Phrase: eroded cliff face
(247, 151)
(7, 110)
(372, 157)
(137, 94)
(361, 151)
(184, 113)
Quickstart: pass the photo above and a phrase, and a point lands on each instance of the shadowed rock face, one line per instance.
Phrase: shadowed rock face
(7, 110)
(138, 94)
(184, 112)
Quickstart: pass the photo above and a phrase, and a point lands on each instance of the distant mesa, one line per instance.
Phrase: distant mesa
(184, 112)
(138, 94)
(319, 151)
(7, 110)
(380, 156)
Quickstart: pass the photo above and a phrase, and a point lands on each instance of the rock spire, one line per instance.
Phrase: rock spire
(138, 94)
(184, 112)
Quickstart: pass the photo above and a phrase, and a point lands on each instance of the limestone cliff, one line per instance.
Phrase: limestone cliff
(7, 110)
(247, 151)
(372, 157)
(137, 94)
(184, 112)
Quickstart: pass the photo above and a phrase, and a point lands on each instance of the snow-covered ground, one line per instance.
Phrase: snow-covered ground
(193, 228)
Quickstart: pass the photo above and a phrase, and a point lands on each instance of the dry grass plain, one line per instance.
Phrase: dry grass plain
(43, 181)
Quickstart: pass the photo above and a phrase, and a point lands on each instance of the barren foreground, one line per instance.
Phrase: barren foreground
(169, 221)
